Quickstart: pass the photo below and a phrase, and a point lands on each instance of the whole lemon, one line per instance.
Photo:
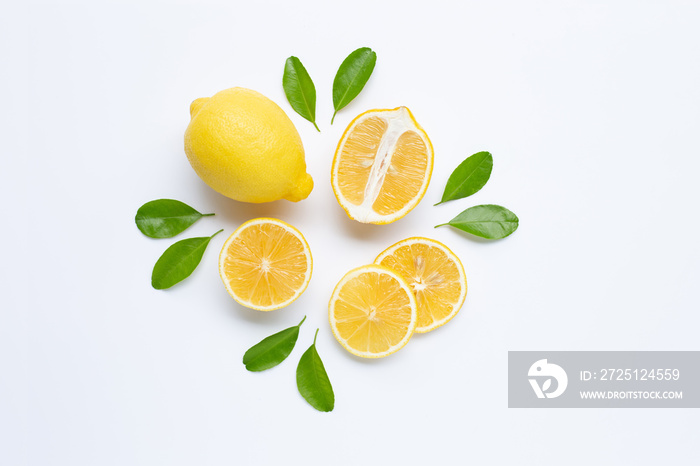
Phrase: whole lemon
(245, 147)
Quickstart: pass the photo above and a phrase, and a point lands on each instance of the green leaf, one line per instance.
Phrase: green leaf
(313, 382)
(352, 76)
(487, 221)
(179, 261)
(300, 89)
(165, 218)
(469, 177)
(272, 350)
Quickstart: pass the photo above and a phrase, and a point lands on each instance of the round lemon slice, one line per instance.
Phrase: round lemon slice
(265, 264)
(382, 166)
(372, 312)
(434, 273)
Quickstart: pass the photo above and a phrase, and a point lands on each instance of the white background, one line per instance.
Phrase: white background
(591, 110)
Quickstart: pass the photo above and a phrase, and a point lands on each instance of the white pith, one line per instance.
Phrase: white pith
(398, 122)
(288, 228)
(355, 273)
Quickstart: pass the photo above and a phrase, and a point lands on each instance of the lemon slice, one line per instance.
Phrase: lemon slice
(382, 166)
(265, 264)
(435, 275)
(372, 312)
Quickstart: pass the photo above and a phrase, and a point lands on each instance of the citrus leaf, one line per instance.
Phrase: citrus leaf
(179, 261)
(352, 76)
(272, 350)
(300, 89)
(165, 218)
(487, 221)
(469, 177)
(313, 382)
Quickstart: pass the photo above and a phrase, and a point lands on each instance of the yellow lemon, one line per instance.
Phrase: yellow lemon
(265, 264)
(372, 311)
(434, 273)
(382, 166)
(245, 147)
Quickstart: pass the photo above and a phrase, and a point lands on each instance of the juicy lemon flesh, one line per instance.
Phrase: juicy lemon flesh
(265, 265)
(434, 278)
(357, 158)
(382, 165)
(372, 313)
(405, 175)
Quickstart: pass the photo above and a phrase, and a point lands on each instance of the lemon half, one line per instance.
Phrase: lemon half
(382, 166)
(265, 264)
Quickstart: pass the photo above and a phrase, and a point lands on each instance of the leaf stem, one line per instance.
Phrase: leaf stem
(333, 116)
(302, 321)
(441, 225)
(316, 126)
(438, 203)
(207, 215)
(315, 337)
(216, 233)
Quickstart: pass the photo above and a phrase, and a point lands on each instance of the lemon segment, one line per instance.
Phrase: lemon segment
(372, 312)
(245, 147)
(382, 166)
(434, 273)
(265, 264)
